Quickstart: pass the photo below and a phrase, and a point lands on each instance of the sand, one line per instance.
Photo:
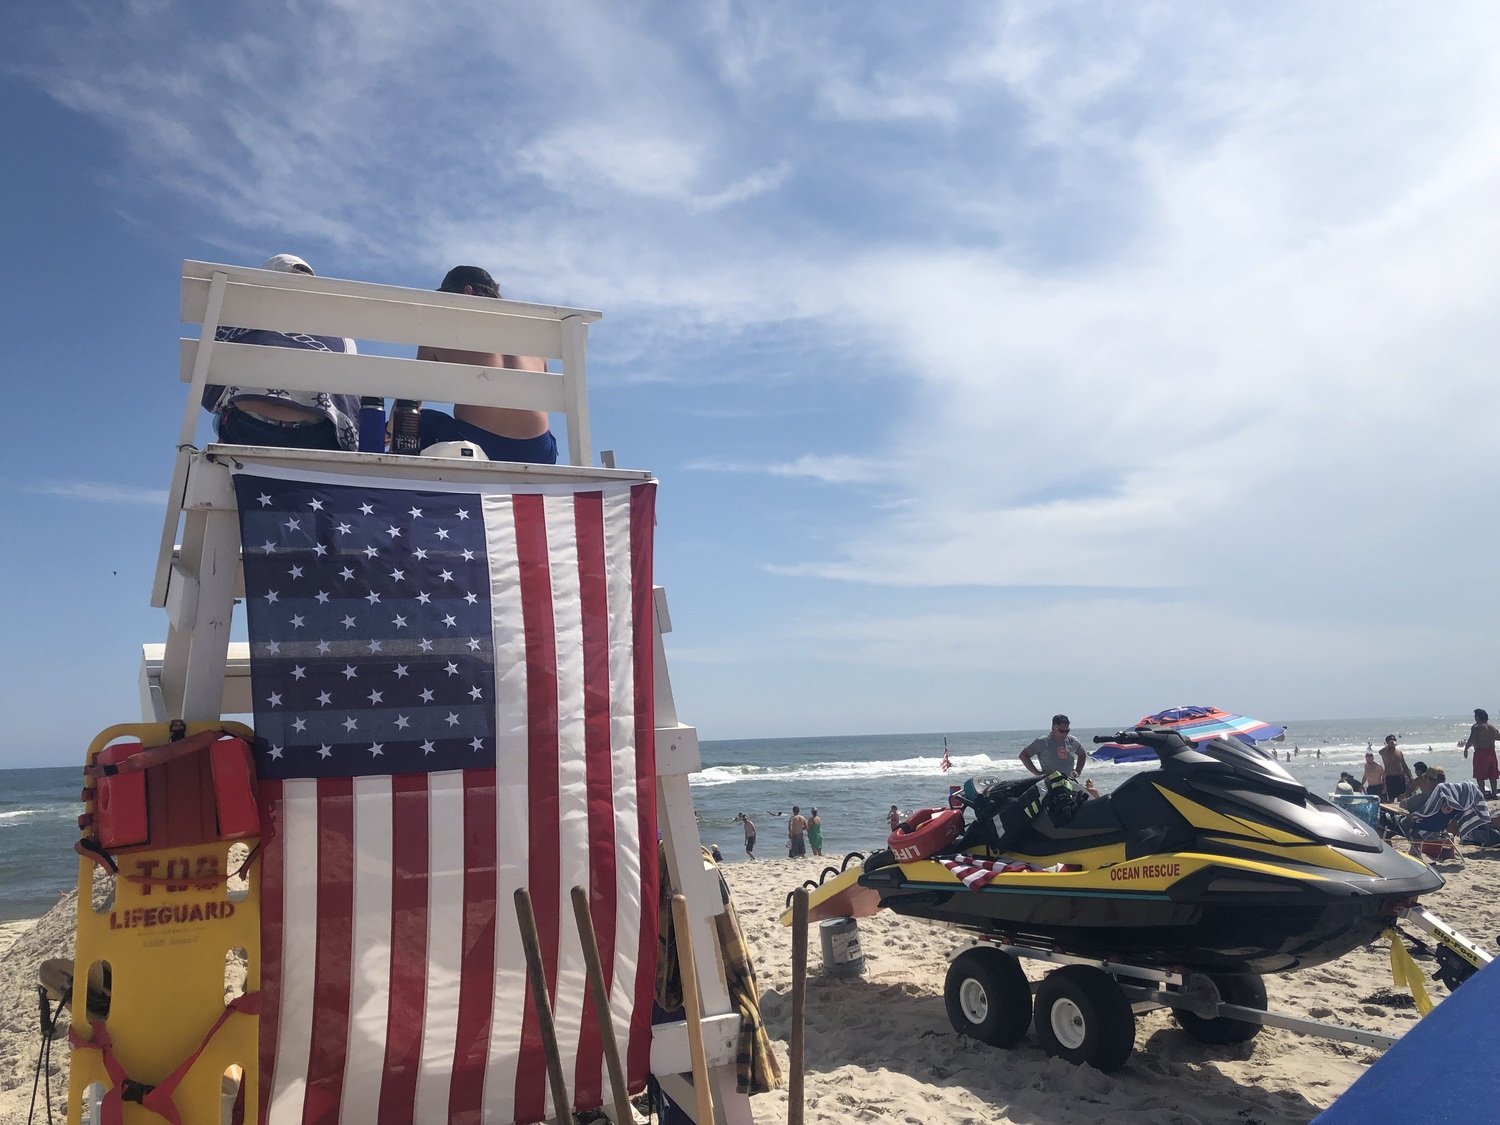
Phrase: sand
(880, 1048)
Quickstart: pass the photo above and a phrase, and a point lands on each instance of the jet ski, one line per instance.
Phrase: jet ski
(1218, 862)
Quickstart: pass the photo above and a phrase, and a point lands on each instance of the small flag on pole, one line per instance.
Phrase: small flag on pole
(947, 765)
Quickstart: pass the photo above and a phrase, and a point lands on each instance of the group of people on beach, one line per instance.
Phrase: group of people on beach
(802, 832)
(1392, 779)
(290, 419)
(1420, 802)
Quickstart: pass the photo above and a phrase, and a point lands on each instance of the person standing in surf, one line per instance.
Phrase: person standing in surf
(815, 832)
(1482, 738)
(1056, 750)
(796, 829)
(749, 827)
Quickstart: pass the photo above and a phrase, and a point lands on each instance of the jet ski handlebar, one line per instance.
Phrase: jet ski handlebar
(1137, 736)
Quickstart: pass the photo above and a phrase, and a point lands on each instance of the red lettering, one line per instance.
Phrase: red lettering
(226, 910)
(196, 914)
(179, 867)
(146, 867)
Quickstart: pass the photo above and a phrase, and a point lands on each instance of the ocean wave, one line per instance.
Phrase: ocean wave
(961, 766)
(10, 816)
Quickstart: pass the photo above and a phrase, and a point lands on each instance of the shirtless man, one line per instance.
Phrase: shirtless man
(504, 434)
(1482, 738)
(1397, 772)
(1374, 778)
(796, 828)
(749, 826)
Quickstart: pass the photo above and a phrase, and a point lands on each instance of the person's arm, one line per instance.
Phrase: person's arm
(1028, 763)
(1083, 757)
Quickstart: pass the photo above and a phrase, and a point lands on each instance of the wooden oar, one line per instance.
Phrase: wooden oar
(794, 1095)
(690, 1001)
(585, 918)
(530, 943)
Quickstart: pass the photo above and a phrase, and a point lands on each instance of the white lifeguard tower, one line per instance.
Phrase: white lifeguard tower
(198, 675)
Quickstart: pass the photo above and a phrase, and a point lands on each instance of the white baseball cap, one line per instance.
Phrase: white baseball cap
(287, 263)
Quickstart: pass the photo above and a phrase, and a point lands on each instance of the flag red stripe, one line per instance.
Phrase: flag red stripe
(268, 869)
(330, 1013)
(407, 1011)
(543, 830)
(599, 765)
(471, 1047)
(642, 525)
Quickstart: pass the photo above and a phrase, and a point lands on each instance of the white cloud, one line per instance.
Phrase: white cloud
(812, 466)
(100, 492)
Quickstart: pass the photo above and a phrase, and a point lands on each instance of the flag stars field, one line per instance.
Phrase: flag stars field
(343, 587)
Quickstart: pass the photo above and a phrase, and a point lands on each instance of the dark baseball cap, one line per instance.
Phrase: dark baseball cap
(473, 276)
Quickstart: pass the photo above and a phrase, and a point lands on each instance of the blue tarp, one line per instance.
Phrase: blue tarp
(1441, 1072)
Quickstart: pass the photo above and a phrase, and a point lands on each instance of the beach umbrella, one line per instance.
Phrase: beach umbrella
(1194, 723)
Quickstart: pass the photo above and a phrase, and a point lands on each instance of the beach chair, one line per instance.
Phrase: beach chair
(331, 1055)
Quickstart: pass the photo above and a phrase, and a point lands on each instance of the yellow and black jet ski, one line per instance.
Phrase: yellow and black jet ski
(1218, 861)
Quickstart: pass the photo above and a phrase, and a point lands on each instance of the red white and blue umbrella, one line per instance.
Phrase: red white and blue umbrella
(1197, 724)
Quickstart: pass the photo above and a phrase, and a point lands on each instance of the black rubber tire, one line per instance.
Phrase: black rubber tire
(1094, 1014)
(1247, 990)
(988, 997)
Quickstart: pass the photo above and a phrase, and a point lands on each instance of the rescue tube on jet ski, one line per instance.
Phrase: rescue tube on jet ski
(926, 833)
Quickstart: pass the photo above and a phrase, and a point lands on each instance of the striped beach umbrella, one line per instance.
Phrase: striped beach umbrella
(1197, 724)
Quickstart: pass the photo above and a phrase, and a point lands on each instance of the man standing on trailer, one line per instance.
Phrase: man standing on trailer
(1055, 751)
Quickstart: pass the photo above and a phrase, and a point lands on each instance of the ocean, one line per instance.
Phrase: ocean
(851, 781)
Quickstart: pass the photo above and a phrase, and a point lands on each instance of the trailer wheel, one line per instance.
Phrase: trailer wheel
(1083, 1016)
(988, 997)
(1247, 990)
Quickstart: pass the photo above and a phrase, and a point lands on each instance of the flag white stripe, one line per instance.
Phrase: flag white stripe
(445, 944)
(512, 842)
(572, 805)
(299, 944)
(622, 758)
(370, 988)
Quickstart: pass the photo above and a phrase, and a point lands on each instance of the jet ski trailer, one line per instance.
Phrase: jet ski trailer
(1084, 1011)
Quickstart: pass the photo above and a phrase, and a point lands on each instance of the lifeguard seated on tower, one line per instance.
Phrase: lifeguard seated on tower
(504, 434)
(280, 418)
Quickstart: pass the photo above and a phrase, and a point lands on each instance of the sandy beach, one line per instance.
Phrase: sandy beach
(880, 1047)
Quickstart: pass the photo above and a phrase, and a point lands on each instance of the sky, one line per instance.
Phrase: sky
(994, 359)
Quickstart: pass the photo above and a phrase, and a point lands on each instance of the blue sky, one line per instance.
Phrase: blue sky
(994, 359)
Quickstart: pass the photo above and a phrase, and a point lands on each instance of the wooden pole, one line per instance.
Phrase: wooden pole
(794, 1093)
(529, 942)
(585, 918)
(686, 963)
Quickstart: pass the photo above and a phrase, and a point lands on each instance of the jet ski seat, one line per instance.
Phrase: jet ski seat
(1094, 824)
(1134, 814)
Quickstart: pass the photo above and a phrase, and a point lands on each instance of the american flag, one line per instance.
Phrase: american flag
(453, 699)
